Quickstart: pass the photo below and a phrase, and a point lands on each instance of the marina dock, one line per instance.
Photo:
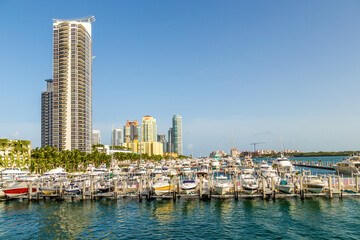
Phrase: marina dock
(336, 187)
(314, 164)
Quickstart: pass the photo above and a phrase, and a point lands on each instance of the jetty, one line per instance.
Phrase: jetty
(314, 164)
(336, 187)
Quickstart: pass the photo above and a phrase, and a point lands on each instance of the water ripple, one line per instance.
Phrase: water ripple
(317, 218)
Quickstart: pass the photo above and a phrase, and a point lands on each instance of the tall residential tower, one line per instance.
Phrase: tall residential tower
(177, 134)
(117, 138)
(148, 129)
(132, 131)
(72, 84)
(46, 114)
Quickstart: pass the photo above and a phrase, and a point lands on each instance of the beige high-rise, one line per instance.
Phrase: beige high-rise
(148, 129)
(72, 84)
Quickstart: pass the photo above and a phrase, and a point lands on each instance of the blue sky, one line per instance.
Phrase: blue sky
(259, 70)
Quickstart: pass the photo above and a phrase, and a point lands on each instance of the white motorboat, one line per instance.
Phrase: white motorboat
(186, 171)
(162, 186)
(189, 185)
(222, 185)
(157, 170)
(285, 185)
(249, 183)
(283, 164)
(13, 173)
(349, 165)
(313, 184)
(56, 172)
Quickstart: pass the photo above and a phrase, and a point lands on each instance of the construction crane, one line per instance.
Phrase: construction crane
(256, 143)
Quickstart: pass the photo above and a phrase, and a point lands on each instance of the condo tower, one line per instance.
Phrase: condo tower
(72, 84)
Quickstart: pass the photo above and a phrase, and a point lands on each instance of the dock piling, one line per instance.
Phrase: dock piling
(330, 187)
(115, 189)
(83, 190)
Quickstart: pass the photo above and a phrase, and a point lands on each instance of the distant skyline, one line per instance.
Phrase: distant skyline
(257, 71)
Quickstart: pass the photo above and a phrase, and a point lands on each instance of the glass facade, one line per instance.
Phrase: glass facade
(47, 114)
(177, 134)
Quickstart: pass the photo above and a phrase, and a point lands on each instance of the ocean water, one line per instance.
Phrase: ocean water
(314, 218)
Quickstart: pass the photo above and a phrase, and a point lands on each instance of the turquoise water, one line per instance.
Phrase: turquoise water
(317, 218)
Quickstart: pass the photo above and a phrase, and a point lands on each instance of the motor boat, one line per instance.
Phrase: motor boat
(189, 185)
(349, 166)
(186, 171)
(73, 188)
(49, 190)
(249, 183)
(285, 185)
(162, 186)
(13, 173)
(313, 184)
(56, 172)
(222, 185)
(17, 188)
(157, 170)
(282, 163)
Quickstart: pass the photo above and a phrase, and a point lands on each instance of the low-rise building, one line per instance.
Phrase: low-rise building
(150, 148)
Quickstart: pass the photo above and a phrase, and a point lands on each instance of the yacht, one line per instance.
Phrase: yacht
(349, 165)
(56, 171)
(282, 163)
(13, 173)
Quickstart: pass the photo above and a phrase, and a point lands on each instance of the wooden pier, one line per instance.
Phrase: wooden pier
(315, 164)
(336, 187)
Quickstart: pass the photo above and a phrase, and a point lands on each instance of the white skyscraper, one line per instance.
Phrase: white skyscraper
(148, 129)
(117, 137)
(96, 139)
(72, 84)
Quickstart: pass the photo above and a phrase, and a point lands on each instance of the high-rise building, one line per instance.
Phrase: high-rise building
(47, 114)
(95, 140)
(162, 139)
(132, 131)
(148, 129)
(170, 144)
(177, 134)
(72, 84)
(117, 138)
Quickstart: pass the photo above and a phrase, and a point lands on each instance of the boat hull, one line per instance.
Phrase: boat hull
(159, 191)
(285, 188)
(15, 192)
(221, 190)
(314, 188)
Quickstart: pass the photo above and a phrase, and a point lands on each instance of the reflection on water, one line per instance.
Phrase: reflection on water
(184, 219)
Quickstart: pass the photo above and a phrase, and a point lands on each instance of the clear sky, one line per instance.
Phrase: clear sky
(257, 70)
